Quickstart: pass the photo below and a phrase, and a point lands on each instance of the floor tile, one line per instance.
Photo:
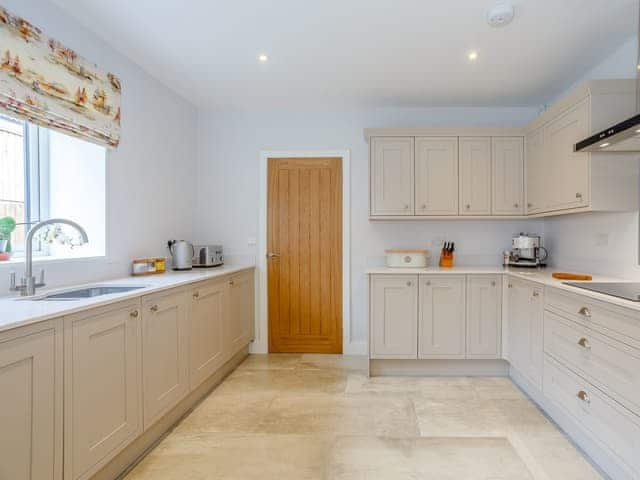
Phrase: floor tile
(432, 387)
(277, 361)
(346, 363)
(290, 381)
(496, 387)
(226, 457)
(425, 458)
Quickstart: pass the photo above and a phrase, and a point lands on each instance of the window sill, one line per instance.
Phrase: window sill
(53, 260)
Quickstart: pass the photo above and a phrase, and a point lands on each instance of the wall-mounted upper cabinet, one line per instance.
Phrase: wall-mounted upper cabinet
(392, 176)
(560, 180)
(475, 175)
(507, 166)
(436, 176)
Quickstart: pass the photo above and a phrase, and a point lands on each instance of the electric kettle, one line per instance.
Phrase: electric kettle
(182, 253)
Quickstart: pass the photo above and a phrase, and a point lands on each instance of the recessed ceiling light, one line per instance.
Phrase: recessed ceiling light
(604, 145)
(263, 58)
(473, 55)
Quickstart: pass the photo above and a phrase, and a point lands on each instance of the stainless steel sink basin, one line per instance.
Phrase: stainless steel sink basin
(87, 292)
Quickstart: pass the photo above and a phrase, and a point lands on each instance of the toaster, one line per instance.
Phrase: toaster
(207, 256)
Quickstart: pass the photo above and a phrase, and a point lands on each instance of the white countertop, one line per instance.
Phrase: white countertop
(17, 312)
(537, 275)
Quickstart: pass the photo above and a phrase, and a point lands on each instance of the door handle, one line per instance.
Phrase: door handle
(272, 255)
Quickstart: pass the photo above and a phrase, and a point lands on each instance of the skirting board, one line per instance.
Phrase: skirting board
(601, 460)
(124, 462)
(439, 368)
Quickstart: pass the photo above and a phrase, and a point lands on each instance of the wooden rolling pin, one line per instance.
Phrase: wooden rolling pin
(571, 276)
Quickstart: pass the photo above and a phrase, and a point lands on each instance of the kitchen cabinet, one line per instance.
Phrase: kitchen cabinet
(31, 414)
(392, 176)
(569, 172)
(208, 317)
(441, 322)
(475, 176)
(102, 394)
(507, 165)
(526, 309)
(436, 176)
(241, 324)
(537, 170)
(484, 312)
(165, 352)
(394, 316)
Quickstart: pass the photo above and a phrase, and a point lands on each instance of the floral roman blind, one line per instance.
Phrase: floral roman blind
(47, 83)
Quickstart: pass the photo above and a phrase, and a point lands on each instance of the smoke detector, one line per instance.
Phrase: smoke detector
(500, 15)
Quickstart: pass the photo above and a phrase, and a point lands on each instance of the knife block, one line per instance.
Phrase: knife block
(446, 259)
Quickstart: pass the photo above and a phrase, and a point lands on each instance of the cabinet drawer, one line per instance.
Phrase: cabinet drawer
(617, 322)
(610, 365)
(609, 424)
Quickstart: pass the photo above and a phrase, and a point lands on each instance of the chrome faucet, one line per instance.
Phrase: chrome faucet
(28, 284)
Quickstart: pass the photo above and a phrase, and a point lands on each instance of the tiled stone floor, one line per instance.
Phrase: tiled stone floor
(320, 417)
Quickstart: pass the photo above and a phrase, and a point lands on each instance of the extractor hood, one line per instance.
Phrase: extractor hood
(623, 136)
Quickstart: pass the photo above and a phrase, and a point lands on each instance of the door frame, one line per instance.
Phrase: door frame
(261, 343)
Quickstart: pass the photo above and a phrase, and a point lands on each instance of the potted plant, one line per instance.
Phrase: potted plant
(7, 226)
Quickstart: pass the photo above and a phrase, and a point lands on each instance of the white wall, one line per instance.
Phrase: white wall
(229, 147)
(602, 243)
(150, 194)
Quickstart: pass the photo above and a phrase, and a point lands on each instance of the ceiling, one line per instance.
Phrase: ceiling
(370, 53)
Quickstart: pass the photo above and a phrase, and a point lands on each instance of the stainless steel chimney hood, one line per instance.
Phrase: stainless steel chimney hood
(623, 136)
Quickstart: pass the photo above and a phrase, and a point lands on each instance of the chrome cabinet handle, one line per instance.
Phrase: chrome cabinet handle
(196, 295)
(232, 283)
(536, 294)
(428, 283)
(423, 207)
(406, 207)
(515, 205)
(468, 206)
(529, 205)
(584, 343)
(578, 195)
(409, 283)
(134, 314)
(493, 283)
(154, 308)
(585, 312)
(584, 396)
(510, 285)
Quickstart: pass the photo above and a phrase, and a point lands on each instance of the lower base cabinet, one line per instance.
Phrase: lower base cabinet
(31, 413)
(165, 353)
(241, 324)
(103, 388)
(484, 316)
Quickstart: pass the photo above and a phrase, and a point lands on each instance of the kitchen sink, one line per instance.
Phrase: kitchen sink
(87, 292)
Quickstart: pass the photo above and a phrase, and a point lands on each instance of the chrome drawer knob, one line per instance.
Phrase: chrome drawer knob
(515, 205)
(584, 396)
(584, 343)
(493, 283)
(196, 295)
(585, 312)
(134, 314)
(536, 294)
(409, 283)
(154, 308)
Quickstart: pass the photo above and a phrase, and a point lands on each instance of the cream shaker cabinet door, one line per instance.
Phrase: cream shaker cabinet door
(475, 176)
(241, 320)
(102, 400)
(436, 176)
(484, 311)
(569, 170)
(526, 330)
(507, 159)
(537, 173)
(31, 413)
(441, 321)
(392, 176)
(165, 353)
(394, 316)
(209, 311)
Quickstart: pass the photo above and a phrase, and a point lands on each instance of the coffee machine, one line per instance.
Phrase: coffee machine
(527, 251)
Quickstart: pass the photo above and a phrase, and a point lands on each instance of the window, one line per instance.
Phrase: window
(46, 174)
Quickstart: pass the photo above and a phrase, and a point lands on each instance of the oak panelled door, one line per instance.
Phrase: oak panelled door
(304, 245)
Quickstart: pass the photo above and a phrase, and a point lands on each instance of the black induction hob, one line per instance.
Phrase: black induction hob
(628, 291)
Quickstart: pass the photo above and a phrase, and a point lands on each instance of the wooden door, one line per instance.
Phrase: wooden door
(103, 394)
(392, 176)
(484, 316)
(394, 316)
(537, 173)
(475, 176)
(209, 312)
(241, 318)
(305, 255)
(441, 317)
(165, 353)
(569, 169)
(507, 158)
(31, 413)
(436, 176)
